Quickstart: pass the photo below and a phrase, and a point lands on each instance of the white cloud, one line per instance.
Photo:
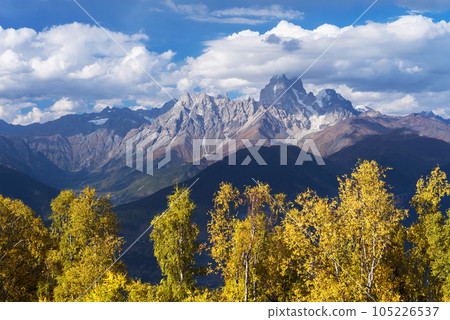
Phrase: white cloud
(187, 9)
(397, 60)
(35, 115)
(64, 105)
(399, 106)
(10, 108)
(399, 67)
(274, 11)
(135, 108)
(75, 58)
(250, 16)
(76, 61)
(87, 72)
(103, 103)
(60, 108)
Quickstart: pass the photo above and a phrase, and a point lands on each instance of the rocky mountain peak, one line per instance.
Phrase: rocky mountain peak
(331, 101)
(296, 100)
(106, 110)
(274, 92)
(185, 99)
(371, 113)
(431, 115)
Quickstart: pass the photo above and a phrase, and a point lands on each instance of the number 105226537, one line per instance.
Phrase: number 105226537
(405, 311)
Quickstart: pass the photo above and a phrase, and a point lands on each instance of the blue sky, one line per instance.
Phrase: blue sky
(168, 29)
(55, 61)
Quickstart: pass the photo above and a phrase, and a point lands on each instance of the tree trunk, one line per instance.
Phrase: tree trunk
(246, 279)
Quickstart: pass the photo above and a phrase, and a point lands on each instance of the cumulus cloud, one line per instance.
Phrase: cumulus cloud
(238, 15)
(402, 59)
(76, 61)
(9, 108)
(62, 107)
(35, 115)
(398, 67)
(103, 103)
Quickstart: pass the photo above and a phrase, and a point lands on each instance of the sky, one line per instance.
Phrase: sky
(56, 60)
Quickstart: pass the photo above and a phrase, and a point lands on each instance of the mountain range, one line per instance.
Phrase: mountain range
(38, 160)
(90, 149)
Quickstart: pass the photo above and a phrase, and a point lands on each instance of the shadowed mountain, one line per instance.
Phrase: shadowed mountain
(16, 153)
(37, 196)
(409, 155)
(117, 120)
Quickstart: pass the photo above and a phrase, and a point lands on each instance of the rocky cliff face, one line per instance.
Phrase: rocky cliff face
(285, 110)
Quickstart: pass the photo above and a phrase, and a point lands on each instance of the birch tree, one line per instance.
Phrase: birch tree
(24, 242)
(430, 238)
(175, 244)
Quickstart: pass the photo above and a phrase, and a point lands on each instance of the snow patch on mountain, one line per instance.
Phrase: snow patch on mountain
(99, 122)
(363, 108)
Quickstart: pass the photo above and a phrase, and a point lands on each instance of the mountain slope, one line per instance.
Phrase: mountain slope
(347, 132)
(409, 155)
(37, 196)
(17, 154)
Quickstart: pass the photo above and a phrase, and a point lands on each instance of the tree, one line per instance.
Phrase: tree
(352, 240)
(430, 238)
(220, 229)
(141, 292)
(243, 248)
(23, 246)
(372, 223)
(307, 230)
(252, 241)
(113, 288)
(174, 237)
(85, 233)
